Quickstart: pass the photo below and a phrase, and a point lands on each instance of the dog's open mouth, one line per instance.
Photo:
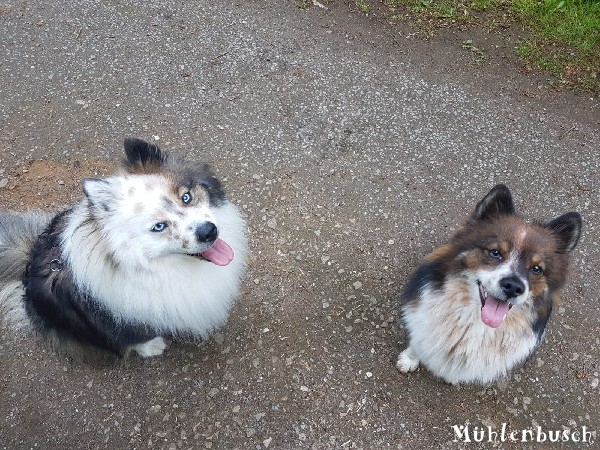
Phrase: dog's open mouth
(493, 310)
(219, 253)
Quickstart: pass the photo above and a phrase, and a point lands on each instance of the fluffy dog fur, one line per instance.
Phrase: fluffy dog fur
(156, 250)
(479, 305)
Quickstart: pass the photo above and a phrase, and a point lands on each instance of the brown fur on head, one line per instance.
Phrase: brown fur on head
(495, 225)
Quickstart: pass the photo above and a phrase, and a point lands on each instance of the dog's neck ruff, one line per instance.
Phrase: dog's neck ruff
(172, 294)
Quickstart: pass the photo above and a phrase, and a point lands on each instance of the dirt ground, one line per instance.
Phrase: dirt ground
(351, 156)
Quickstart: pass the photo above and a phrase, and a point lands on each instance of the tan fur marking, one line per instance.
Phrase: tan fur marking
(504, 248)
(474, 259)
(536, 260)
(537, 285)
(440, 252)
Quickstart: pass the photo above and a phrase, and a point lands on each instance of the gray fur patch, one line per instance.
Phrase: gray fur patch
(168, 205)
(18, 233)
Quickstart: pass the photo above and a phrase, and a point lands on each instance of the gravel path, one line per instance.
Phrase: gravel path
(353, 148)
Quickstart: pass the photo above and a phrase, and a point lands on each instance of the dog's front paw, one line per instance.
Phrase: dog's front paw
(153, 347)
(407, 362)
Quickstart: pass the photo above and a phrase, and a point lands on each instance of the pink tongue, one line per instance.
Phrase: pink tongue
(220, 253)
(494, 311)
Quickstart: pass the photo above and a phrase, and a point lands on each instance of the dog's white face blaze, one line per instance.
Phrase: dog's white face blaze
(486, 286)
(490, 280)
(137, 203)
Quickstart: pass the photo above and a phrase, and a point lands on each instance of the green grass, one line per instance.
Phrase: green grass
(363, 6)
(574, 22)
(565, 39)
(483, 5)
(564, 35)
(446, 9)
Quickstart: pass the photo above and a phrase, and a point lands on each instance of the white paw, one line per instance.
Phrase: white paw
(407, 362)
(153, 347)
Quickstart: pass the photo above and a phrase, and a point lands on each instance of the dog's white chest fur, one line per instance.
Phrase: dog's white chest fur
(448, 337)
(177, 294)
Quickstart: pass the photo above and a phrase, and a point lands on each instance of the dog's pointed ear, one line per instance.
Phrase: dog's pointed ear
(143, 157)
(100, 193)
(498, 202)
(567, 228)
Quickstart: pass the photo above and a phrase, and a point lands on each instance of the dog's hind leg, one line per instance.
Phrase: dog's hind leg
(153, 347)
(407, 361)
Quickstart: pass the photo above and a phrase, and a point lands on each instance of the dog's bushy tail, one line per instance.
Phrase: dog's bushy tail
(18, 233)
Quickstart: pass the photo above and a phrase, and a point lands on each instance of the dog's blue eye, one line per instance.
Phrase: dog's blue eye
(495, 253)
(537, 270)
(158, 227)
(186, 198)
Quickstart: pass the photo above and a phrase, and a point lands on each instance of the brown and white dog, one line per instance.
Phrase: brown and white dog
(479, 305)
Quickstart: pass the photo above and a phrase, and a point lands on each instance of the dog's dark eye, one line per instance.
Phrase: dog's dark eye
(158, 227)
(186, 198)
(495, 253)
(537, 270)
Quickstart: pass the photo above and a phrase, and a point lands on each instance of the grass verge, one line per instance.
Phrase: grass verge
(563, 35)
(565, 39)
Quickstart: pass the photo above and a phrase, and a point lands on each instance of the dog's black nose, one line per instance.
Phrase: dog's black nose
(207, 232)
(512, 286)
